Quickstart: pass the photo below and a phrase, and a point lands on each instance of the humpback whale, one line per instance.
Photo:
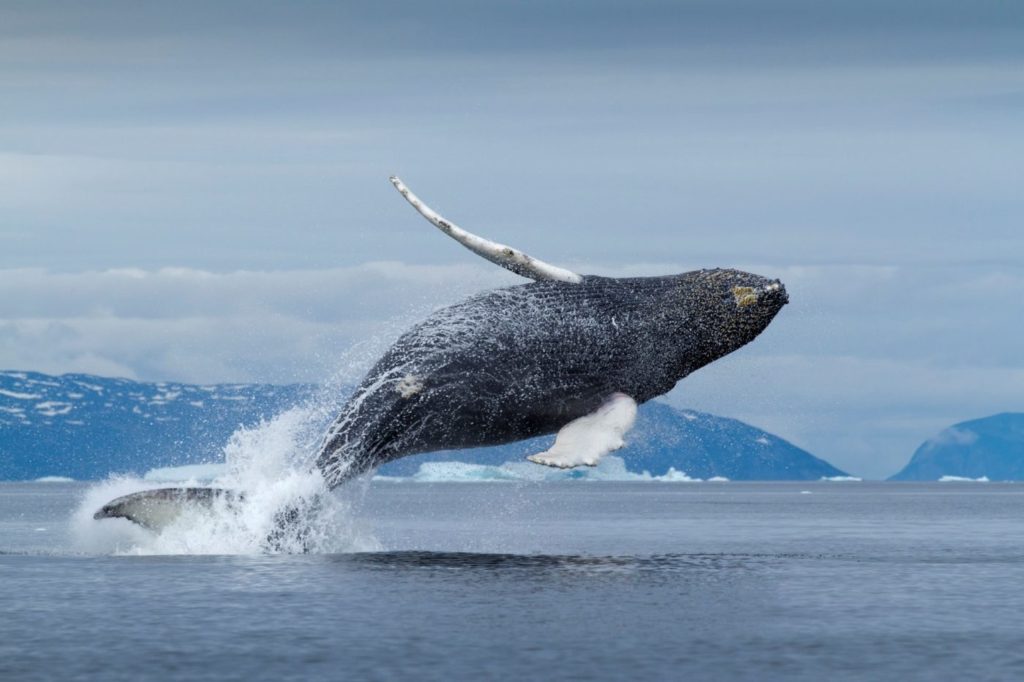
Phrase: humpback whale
(566, 353)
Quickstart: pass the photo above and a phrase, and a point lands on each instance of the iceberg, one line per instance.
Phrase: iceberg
(611, 468)
(436, 472)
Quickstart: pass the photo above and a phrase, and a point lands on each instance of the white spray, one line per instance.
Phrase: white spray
(269, 462)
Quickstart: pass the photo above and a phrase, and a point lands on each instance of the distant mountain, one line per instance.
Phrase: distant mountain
(992, 447)
(699, 444)
(86, 427)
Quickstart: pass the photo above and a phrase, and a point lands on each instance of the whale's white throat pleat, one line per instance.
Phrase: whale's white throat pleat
(505, 256)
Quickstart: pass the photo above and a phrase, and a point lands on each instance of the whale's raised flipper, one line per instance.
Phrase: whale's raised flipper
(156, 509)
(505, 256)
(587, 439)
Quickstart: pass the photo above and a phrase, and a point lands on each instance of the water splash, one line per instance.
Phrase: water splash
(270, 464)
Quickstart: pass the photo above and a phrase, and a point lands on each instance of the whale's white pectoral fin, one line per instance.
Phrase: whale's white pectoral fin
(587, 439)
(505, 256)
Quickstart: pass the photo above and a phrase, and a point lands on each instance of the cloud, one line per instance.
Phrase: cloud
(196, 325)
(953, 436)
(804, 133)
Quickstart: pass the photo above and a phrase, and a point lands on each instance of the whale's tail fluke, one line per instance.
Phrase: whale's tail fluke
(157, 509)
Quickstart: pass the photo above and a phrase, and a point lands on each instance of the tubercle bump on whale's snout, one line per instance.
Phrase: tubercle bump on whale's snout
(776, 289)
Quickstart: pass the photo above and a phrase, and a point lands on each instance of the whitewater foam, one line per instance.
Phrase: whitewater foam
(268, 464)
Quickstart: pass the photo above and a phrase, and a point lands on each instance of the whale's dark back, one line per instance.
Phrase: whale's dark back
(525, 360)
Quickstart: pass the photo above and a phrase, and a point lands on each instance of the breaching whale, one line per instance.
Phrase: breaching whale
(566, 353)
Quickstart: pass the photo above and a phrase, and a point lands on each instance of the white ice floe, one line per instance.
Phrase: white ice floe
(842, 479)
(963, 479)
(54, 479)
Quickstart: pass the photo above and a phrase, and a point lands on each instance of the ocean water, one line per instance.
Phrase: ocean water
(587, 580)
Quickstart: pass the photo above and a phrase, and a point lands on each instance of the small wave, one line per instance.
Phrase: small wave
(578, 566)
(963, 479)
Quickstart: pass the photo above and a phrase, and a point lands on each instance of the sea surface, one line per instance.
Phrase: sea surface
(584, 580)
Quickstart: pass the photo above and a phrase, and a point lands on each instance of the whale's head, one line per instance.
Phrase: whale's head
(722, 310)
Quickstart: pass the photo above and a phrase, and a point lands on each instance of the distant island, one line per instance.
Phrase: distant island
(991, 448)
(86, 427)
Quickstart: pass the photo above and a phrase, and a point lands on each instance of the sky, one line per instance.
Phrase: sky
(198, 191)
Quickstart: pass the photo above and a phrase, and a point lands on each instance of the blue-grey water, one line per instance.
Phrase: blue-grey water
(579, 580)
